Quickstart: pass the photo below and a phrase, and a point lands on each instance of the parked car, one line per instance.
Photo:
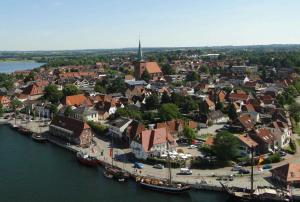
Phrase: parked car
(192, 146)
(158, 166)
(244, 171)
(138, 165)
(182, 140)
(236, 168)
(185, 171)
(267, 166)
(282, 153)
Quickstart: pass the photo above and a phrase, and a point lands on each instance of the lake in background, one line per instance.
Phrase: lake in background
(8, 67)
(35, 172)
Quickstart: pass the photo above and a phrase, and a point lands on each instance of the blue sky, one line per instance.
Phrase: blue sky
(84, 24)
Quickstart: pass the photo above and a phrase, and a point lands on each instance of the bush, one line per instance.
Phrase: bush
(97, 128)
(180, 151)
(201, 163)
(273, 158)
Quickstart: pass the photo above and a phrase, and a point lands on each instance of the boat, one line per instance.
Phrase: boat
(108, 175)
(38, 137)
(24, 131)
(87, 160)
(119, 174)
(164, 186)
(260, 194)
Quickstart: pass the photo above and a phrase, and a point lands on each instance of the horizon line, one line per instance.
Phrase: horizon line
(149, 47)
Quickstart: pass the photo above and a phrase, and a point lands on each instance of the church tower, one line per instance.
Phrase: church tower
(140, 53)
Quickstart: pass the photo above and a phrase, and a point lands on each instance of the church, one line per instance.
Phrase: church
(151, 67)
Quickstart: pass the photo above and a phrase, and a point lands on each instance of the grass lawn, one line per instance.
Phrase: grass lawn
(296, 127)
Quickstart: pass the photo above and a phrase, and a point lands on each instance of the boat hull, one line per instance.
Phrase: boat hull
(234, 198)
(88, 162)
(169, 190)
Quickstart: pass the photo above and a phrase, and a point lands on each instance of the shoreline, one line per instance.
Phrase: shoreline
(202, 186)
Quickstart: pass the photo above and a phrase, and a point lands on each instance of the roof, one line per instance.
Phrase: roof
(289, 172)
(119, 122)
(149, 138)
(246, 121)
(77, 100)
(265, 135)
(77, 126)
(247, 140)
(151, 67)
(209, 141)
(209, 102)
(238, 96)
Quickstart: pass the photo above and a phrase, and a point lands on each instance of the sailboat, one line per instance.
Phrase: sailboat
(260, 194)
(111, 171)
(165, 186)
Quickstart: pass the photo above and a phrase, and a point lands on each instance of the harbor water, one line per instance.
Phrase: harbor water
(36, 172)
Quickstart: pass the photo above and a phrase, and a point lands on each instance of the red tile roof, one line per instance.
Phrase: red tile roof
(289, 172)
(77, 100)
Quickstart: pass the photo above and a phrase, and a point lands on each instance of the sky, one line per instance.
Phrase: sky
(101, 24)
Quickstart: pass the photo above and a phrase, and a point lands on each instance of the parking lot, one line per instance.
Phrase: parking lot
(210, 130)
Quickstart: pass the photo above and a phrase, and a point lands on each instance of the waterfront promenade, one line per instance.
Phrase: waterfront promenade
(201, 179)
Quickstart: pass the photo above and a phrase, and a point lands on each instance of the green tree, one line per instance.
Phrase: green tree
(189, 134)
(53, 109)
(294, 110)
(70, 89)
(152, 102)
(68, 111)
(204, 69)
(117, 85)
(100, 89)
(30, 76)
(165, 98)
(15, 104)
(231, 112)
(52, 93)
(146, 76)
(1, 109)
(168, 112)
(192, 76)
(188, 104)
(167, 69)
(225, 146)
(130, 113)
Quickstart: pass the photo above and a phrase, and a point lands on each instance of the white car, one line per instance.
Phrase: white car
(185, 171)
(192, 146)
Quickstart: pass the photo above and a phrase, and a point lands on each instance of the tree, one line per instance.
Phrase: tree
(146, 76)
(231, 112)
(225, 146)
(30, 77)
(1, 109)
(52, 93)
(68, 111)
(53, 109)
(167, 69)
(188, 104)
(15, 104)
(294, 110)
(100, 89)
(192, 76)
(204, 69)
(118, 85)
(70, 89)
(152, 102)
(189, 134)
(129, 113)
(168, 112)
(165, 98)
(219, 106)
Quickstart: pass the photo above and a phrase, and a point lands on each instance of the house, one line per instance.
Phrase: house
(152, 143)
(71, 130)
(244, 123)
(233, 97)
(287, 175)
(5, 101)
(209, 105)
(33, 91)
(77, 100)
(265, 139)
(173, 126)
(85, 113)
(246, 143)
(118, 126)
(215, 117)
(151, 67)
(135, 128)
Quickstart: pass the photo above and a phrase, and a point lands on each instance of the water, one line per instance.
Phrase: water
(35, 172)
(7, 67)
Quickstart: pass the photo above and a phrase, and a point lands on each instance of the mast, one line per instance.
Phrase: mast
(112, 150)
(169, 164)
(252, 170)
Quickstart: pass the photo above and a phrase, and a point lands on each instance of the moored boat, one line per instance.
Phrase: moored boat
(38, 137)
(117, 173)
(24, 131)
(163, 186)
(87, 160)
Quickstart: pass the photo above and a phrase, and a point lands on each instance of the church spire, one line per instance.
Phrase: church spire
(140, 53)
